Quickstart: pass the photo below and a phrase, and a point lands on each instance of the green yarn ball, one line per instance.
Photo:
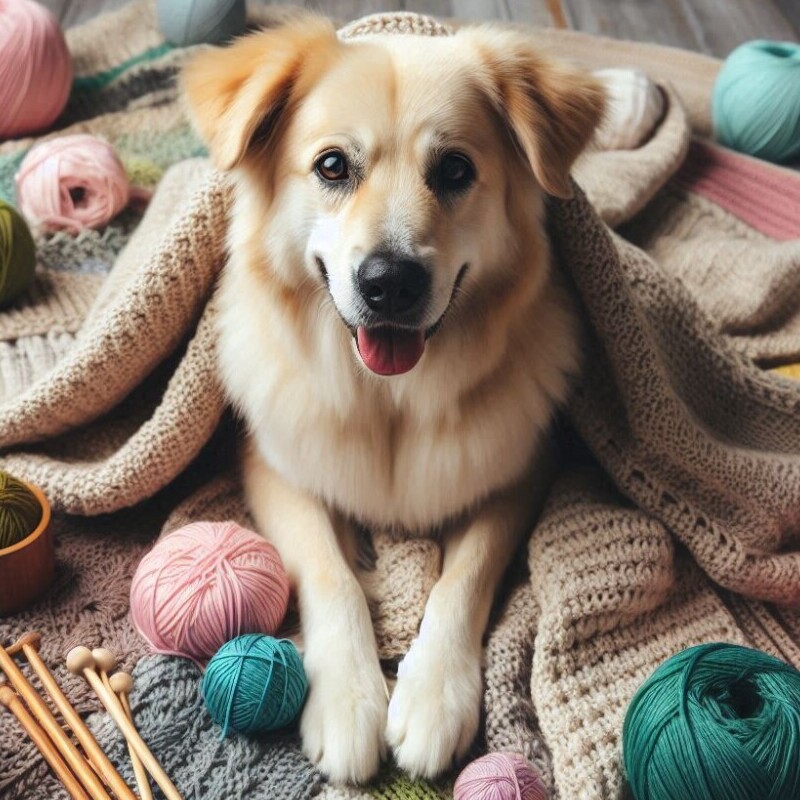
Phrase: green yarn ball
(755, 105)
(254, 683)
(20, 511)
(715, 722)
(17, 254)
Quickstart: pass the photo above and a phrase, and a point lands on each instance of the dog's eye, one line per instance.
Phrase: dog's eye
(332, 166)
(455, 173)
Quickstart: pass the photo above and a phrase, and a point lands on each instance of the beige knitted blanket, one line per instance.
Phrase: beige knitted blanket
(678, 523)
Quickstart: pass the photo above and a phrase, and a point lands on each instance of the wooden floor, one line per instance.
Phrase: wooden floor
(707, 26)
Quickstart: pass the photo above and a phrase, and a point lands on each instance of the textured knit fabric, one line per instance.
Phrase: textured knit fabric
(683, 525)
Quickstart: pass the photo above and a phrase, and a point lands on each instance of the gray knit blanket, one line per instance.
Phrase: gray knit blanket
(675, 518)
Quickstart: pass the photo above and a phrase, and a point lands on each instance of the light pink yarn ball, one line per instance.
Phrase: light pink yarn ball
(499, 776)
(72, 183)
(205, 584)
(35, 68)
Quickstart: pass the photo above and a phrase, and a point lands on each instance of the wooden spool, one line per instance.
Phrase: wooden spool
(28, 567)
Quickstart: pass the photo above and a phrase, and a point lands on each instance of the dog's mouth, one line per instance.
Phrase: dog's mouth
(393, 350)
(389, 349)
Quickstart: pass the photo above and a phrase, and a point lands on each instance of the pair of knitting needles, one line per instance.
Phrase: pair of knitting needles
(79, 776)
(80, 780)
(94, 665)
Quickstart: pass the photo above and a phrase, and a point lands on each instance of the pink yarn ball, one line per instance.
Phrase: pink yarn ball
(35, 68)
(499, 776)
(205, 584)
(71, 183)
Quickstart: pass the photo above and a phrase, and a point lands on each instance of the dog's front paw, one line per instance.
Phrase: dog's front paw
(345, 715)
(435, 709)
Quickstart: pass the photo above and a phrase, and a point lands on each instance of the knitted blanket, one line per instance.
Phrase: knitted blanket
(675, 518)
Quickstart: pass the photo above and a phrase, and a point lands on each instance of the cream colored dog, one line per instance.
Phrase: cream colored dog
(390, 330)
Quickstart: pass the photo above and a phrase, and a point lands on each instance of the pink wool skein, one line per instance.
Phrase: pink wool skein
(71, 183)
(35, 68)
(204, 584)
(499, 776)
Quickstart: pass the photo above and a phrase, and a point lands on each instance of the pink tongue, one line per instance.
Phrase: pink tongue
(389, 351)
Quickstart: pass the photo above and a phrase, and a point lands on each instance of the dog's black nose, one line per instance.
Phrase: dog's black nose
(392, 285)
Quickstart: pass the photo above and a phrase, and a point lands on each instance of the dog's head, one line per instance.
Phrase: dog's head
(393, 169)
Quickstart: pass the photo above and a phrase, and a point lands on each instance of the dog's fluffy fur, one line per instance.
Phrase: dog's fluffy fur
(450, 446)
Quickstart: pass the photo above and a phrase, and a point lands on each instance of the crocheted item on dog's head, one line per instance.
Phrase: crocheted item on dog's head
(397, 22)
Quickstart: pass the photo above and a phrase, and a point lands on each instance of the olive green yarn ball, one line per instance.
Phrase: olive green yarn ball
(17, 254)
(20, 511)
(715, 722)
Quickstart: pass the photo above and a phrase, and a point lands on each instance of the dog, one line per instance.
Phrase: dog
(391, 331)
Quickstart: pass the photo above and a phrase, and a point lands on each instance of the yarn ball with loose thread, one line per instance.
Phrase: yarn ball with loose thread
(254, 683)
(755, 105)
(634, 106)
(715, 722)
(71, 183)
(205, 583)
(20, 511)
(186, 22)
(35, 68)
(17, 255)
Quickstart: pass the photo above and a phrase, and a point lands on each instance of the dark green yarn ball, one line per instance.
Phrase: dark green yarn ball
(20, 511)
(17, 254)
(715, 722)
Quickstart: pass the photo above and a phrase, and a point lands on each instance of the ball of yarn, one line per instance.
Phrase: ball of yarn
(254, 683)
(35, 68)
(71, 183)
(204, 584)
(755, 105)
(17, 255)
(715, 722)
(499, 776)
(186, 22)
(20, 511)
(634, 106)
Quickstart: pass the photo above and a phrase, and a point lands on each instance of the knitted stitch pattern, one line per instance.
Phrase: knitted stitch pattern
(682, 528)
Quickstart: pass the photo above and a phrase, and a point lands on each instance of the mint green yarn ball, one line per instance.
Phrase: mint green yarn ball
(187, 22)
(715, 722)
(17, 255)
(755, 105)
(255, 683)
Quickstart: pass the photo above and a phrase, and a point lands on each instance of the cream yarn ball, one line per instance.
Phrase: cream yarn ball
(635, 105)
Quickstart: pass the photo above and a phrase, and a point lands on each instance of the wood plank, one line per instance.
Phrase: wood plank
(664, 21)
(348, 10)
(791, 11)
(740, 21)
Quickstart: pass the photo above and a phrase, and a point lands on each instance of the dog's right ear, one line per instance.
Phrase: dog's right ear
(237, 95)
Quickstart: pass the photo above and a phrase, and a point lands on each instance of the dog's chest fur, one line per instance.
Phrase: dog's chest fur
(409, 451)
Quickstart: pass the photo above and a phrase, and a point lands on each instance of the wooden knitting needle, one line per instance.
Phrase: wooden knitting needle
(121, 684)
(44, 716)
(81, 662)
(106, 662)
(11, 700)
(28, 645)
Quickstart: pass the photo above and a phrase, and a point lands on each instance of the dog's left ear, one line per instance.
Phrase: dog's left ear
(239, 94)
(551, 108)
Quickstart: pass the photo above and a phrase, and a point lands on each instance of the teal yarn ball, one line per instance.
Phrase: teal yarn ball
(17, 255)
(254, 683)
(715, 722)
(755, 105)
(186, 22)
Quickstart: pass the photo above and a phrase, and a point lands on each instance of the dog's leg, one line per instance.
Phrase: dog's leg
(345, 714)
(435, 709)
